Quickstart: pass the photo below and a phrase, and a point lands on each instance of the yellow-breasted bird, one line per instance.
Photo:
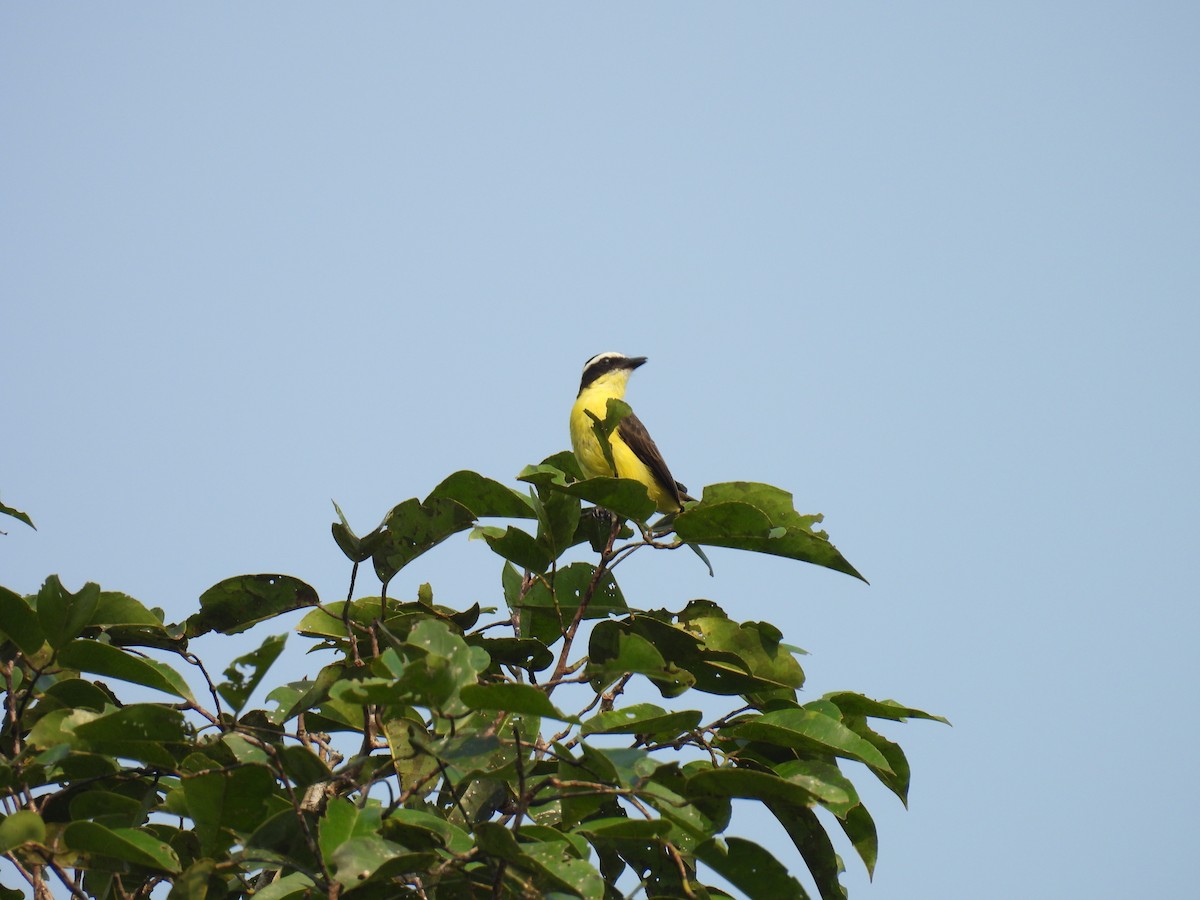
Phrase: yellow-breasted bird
(634, 454)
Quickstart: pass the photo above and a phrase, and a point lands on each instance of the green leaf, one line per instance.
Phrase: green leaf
(807, 730)
(563, 462)
(896, 775)
(141, 731)
(757, 645)
(303, 766)
(108, 808)
(517, 546)
(407, 739)
(858, 705)
(437, 664)
(361, 859)
(624, 496)
(613, 651)
(549, 603)
(745, 515)
(824, 780)
(200, 882)
(558, 520)
(299, 696)
(290, 887)
(748, 784)
(99, 658)
(524, 653)
(614, 828)
(804, 828)
(126, 844)
(339, 824)
(412, 527)
(115, 608)
(420, 830)
(19, 621)
(226, 804)
(235, 604)
(237, 690)
(860, 828)
(750, 868)
(557, 865)
(17, 514)
(643, 718)
(22, 827)
(484, 497)
(64, 615)
(693, 820)
(511, 697)
(356, 549)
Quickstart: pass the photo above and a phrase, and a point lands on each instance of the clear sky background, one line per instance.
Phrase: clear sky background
(932, 267)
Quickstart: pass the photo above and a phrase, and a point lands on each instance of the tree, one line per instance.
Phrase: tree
(440, 753)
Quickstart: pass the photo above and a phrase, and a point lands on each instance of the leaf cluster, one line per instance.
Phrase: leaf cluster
(439, 752)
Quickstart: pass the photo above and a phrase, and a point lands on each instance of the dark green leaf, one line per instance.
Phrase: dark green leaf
(823, 779)
(237, 690)
(109, 809)
(420, 830)
(128, 844)
(558, 519)
(643, 718)
(235, 604)
(562, 874)
(484, 497)
(303, 766)
(355, 548)
(19, 621)
(200, 882)
(64, 615)
(412, 527)
(342, 821)
(228, 803)
(896, 774)
(613, 651)
(746, 515)
(624, 496)
(295, 886)
(17, 514)
(808, 730)
(559, 469)
(23, 826)
(517, 546)
(748, 784)
(408, 739)
(860, 828)
(750, 868)
(303, 695)
(804, 828)
(756, 645)
(858, 705)
(511, 697)
(524, 653)
(141, 731)
(550, 603)
(115, 608)
(99, 658)
(615, 828)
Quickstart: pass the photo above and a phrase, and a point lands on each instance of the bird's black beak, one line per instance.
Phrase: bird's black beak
(635, 361)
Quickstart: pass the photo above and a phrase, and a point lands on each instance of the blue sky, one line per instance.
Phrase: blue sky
(933, 268)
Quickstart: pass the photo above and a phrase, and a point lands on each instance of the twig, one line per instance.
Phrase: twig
(573, 628)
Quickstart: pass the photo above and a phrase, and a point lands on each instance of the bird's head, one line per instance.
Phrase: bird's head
(609, 367)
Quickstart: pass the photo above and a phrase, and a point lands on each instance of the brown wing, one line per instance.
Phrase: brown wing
(634, 433)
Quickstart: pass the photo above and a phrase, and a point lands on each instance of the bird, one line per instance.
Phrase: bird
(634, 454)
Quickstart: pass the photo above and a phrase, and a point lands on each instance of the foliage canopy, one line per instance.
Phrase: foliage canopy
(439, 752)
